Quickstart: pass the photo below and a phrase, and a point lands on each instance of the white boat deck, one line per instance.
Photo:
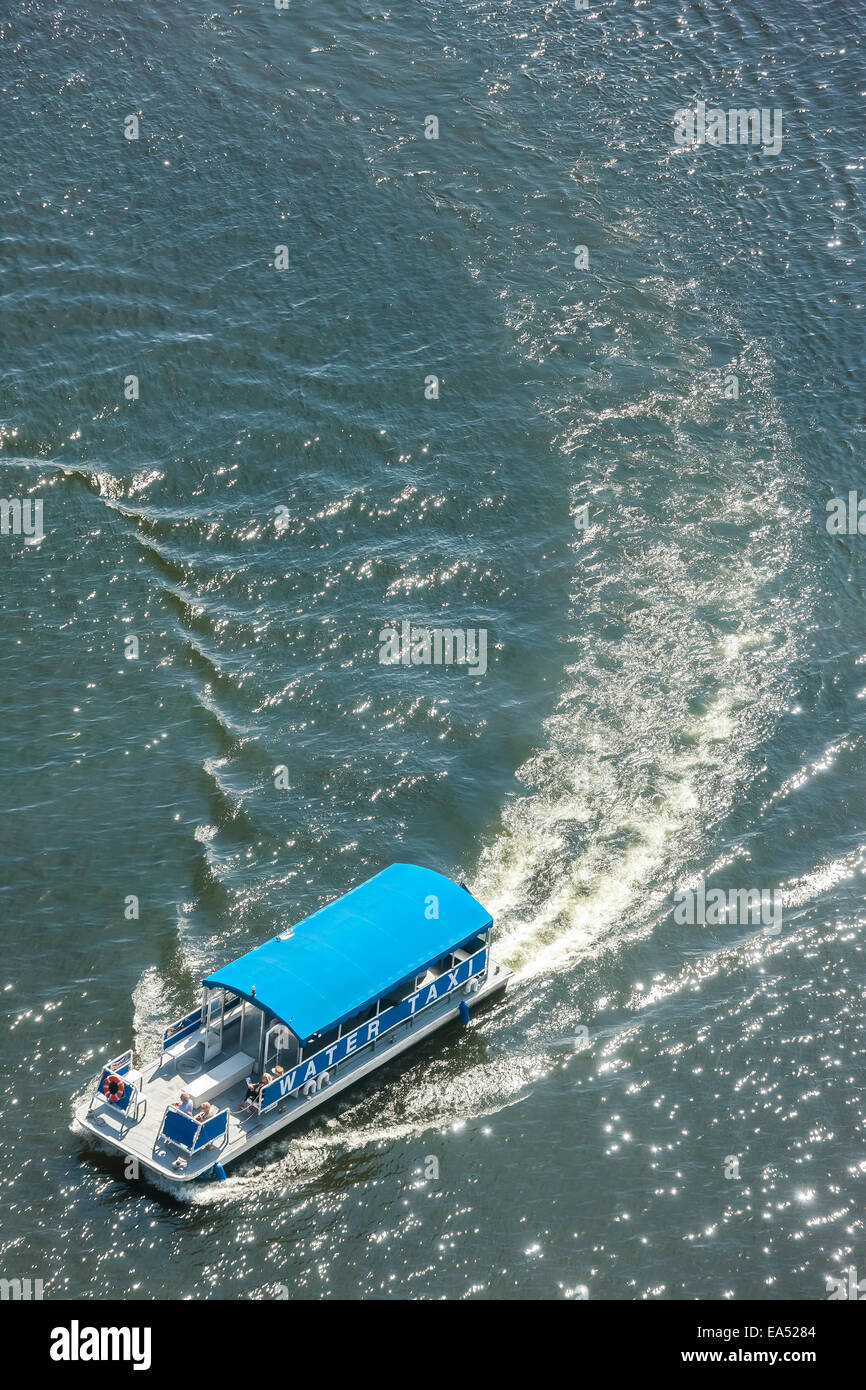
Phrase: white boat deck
(222, 1081)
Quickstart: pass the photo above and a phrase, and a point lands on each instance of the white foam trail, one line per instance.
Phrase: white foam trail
(152, 1014)
(652, 739)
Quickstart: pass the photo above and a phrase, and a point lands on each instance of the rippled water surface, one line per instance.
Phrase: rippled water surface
(673, 693)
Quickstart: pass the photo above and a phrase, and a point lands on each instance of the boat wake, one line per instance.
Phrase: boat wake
(681, 647)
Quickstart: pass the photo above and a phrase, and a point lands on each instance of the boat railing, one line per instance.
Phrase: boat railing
(181, 1029)
(117, 1066)
(184, 1028)
(119, 1087)
(312, 1073)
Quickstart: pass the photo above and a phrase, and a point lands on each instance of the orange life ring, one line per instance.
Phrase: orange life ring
(113, 1088)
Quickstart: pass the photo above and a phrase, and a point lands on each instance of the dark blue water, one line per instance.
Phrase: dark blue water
(674, 693)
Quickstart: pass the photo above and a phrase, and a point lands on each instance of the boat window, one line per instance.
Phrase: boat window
(321, 1040)
(358, 1019)
(469, 949)
(443, 966)
(402, 992)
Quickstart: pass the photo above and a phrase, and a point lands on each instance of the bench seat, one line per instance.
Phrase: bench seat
(220, 1078)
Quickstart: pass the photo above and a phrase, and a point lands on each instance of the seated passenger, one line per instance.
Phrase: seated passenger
(184, 1105)
(206, 1111)
(250, 1094)
(254, 1090)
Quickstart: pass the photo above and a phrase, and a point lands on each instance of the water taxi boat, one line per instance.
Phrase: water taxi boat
(297, 1020)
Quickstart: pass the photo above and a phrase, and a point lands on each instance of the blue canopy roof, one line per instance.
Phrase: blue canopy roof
(356, 949)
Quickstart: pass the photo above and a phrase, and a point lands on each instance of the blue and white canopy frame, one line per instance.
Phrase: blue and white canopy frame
(336, 963)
